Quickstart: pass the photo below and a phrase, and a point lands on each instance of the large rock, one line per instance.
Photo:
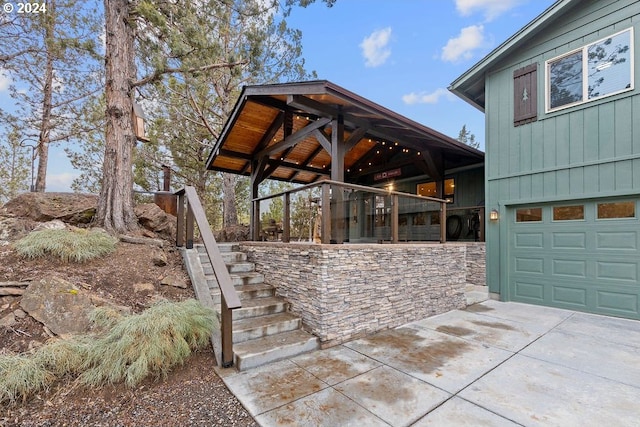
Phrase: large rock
(233, 233)
(58, 304)
(151, 217)
(72, 208)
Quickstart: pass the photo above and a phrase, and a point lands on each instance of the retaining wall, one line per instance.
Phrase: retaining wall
(347, 291)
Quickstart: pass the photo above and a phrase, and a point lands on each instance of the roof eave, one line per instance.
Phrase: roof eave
(461, 85)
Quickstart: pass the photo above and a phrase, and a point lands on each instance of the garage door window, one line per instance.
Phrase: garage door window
(529, 215)
(568, 213)
(616, 210)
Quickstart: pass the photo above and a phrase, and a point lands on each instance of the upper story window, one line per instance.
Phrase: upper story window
(594, 71)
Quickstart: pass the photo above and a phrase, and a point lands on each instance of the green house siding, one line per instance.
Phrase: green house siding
(587, 152)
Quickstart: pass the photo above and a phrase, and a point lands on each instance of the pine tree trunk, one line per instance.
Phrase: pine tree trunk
(45, 125)
(229, 199)
(115, 205)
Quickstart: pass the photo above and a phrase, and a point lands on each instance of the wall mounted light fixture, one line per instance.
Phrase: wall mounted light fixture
(493, 215)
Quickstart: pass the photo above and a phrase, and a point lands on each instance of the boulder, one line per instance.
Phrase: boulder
(154, 219)
(59, 305)
(71, 208)
(13, 228)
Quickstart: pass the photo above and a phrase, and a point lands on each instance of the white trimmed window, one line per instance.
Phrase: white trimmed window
(597, 70)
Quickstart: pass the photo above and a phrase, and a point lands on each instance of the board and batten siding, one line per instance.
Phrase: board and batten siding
(585, 151)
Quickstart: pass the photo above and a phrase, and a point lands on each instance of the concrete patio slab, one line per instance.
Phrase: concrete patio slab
(538, 393)
(272, 386)
(506, 334)
(327, 408)
(395, 397)
(447, 362)
(612, 329)
(336, 364)
(586, 353)
(545, 317)
(495, 364)
(459, 412)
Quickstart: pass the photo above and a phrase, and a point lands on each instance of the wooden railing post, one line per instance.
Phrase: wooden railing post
(180, 224)
(443, 222)
(226, 324)
(189, 226)
(394, 218)
(286, 226)
(256, 221)
(326, 214)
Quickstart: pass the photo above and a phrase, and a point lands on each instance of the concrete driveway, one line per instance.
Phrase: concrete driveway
(494, 364)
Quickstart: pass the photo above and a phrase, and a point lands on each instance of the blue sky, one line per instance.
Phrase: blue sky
(401, 54)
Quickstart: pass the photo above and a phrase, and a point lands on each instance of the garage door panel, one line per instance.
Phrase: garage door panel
(619, 303)
(529, 240)
(529, 265)
(574, 240)
(569, 267)
(529, 292)
(617, 240)
(575, 297)
(610, 270)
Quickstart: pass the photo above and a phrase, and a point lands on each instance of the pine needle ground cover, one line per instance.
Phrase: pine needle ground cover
(131, 349)
(75, 245)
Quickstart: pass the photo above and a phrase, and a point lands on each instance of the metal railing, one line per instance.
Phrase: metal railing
(356, 213)
(229, 300)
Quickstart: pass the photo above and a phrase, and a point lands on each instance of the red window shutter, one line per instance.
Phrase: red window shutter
(525, 95)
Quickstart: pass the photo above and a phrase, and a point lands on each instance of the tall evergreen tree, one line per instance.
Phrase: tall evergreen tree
(466, 137)
(15, 160)
(54, 60)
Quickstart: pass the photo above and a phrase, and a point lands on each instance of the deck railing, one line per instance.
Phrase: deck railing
(229, 299)
(355, 213)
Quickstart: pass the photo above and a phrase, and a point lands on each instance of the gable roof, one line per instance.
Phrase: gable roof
(291, 125)
(470, 86)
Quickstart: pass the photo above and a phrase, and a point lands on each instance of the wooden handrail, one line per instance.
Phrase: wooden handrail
(228, 295)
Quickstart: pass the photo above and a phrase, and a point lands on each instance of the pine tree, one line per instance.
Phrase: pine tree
(466, 137)
(15, 161)
(54, 61)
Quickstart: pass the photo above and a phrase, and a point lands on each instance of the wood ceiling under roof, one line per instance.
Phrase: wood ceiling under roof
(287, 131)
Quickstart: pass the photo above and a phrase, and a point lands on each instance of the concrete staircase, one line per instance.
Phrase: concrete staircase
(263, 329)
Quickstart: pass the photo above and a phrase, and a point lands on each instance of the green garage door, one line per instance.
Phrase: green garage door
(580, 255)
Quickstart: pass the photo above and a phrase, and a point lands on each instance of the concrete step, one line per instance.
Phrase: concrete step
(237, 279)
(253, 353)
(223, 247)
(260, 307)
(247, 292)
(258, 327)
(227, 257)
(475, 294)
(241, 267)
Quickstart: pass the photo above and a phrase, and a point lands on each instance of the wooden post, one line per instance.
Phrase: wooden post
(189, 229)
(326, 214)
(226, 323)
(394, 218)
(443, 222)
(286, 226)
(180, 218)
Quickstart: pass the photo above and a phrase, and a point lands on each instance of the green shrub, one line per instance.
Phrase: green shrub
(77, 245)
(132, 348)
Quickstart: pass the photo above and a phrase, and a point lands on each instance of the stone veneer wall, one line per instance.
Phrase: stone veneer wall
(476, 263)
(347, 291)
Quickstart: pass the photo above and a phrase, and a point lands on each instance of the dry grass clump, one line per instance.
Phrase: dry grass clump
(76, 245)
(133, 348)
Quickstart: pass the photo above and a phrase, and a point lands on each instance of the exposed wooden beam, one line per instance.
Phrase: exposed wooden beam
(323, 140)
(354, 138)
(294, 138)
(434, 162)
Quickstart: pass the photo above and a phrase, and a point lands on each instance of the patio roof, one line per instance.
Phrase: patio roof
(308, 131)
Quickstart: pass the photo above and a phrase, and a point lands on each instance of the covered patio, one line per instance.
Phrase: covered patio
(371, 174)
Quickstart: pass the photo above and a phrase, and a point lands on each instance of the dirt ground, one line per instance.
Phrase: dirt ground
(191, 395)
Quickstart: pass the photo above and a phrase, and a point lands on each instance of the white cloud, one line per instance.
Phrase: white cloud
(469, 39)
(60, 182)
(427, 98)
(375, 47)
(491, 9)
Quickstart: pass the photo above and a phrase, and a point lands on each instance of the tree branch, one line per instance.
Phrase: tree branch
(158, 73)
